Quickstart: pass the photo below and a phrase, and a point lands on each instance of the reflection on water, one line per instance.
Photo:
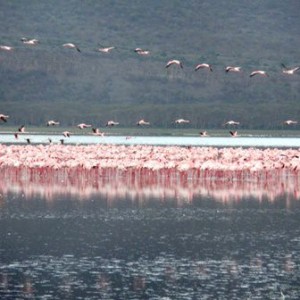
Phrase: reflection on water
(134, 186)
(93, 235)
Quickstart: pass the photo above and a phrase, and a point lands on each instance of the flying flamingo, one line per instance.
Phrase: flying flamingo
(21, 129)
(52, 123)
(27, 41)
(174, 62)
(142, 122)
(3, 117)
(203, 66)
(231, 122)
(6, 48)
(83, 125)
(140, 51)
(289, 71)
(233, 133)
(181, 121)
(203, 133)
(111, 123)
(290, 122)
(259, 72)
(96, 131)
(66, 134)
(71, 46)
(106, 49)
(232, 69)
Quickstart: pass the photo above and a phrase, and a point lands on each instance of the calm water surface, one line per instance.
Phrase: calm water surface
(80, 236)
(245, 140)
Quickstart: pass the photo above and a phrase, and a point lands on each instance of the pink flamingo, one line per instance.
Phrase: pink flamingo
(3, 117)
(290, 122)
(181, 121)
(289, 71)
(6, 48)
(233, 133)
(259, 72)
(71, 46)
(106, 49)
(232, 69)
(203, 66)
(83, 125)
(140, 51)
(111, 123)
(96, 131)
(66, 134)
(142, 122)
(174, 62)
(52, 123)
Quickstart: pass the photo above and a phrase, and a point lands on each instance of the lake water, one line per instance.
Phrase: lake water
(78, 235)
(213, 141)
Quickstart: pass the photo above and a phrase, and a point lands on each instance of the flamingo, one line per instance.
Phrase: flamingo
(232, 69)
(16, 135)
(52, 123)
(140, 51)
(71, 46)
(290, 122)
(83, 125)
(181, 121)
(203, 133)
(231, 122)
(6, 48)
(203, 66)
(62, 141)
(174, 62)
(21, 129)
(28, 141)
(3, 117)
(142, 122)
(66, 134)
(259, 72)
(289, 71)
(106, 49)
(96, 131)
(27, 41)
(111, 123)
(233, 133)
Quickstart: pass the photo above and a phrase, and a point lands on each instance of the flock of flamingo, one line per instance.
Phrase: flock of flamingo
(143, 160)
(172, 62)
(194, 161)
(97, 132)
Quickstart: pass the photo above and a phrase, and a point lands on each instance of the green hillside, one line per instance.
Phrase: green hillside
(48, 81)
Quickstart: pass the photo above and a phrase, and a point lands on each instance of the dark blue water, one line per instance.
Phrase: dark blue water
(66, 246)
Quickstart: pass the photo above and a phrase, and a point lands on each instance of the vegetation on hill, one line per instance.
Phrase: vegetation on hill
(47, 81)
